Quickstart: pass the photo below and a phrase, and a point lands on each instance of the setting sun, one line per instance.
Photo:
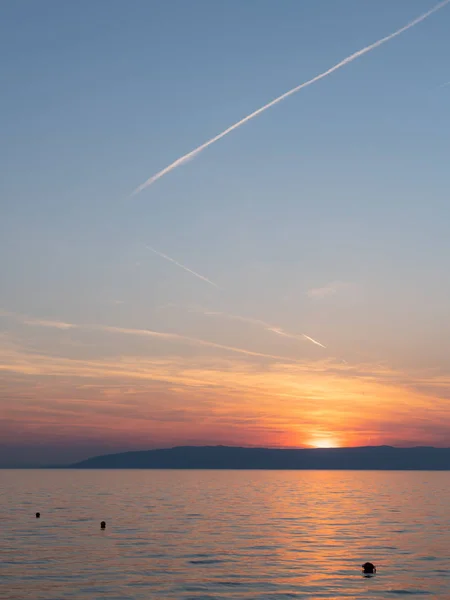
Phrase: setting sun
(325, 443)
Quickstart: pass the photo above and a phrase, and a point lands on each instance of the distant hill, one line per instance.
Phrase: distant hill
(227, 457)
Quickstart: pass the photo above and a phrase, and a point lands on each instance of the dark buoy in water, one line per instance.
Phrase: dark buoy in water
(38, 515)
(103, 525)
(369, 568)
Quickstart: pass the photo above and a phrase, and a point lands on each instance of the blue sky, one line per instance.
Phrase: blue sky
(328, 214)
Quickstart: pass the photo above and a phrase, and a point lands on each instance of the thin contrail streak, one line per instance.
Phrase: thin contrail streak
(294, 90)
(445, 84)
(266, 326)
(295, 337)
(313, 341)
(172, 260)
(174, 337)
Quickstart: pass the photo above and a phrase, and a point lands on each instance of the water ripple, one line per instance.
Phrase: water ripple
(223, 535)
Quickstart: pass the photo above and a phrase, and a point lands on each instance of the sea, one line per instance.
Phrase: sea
(223, 534)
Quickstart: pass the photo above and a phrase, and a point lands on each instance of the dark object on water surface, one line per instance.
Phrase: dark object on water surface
(369, 568)
(38, 515)
(103, 525)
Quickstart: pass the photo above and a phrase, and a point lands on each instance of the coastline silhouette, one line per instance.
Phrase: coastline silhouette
(229, 457)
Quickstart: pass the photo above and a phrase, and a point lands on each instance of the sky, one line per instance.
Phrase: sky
(286, 287)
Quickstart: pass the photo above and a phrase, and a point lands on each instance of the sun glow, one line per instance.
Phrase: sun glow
(325, 443)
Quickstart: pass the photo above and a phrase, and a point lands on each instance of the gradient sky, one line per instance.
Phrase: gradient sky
(328, 216)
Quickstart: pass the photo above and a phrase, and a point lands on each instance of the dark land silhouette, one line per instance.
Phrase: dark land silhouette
(228, 457)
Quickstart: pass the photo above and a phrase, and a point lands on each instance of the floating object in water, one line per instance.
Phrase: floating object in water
(369, 568)
(38, 515)
(103, 525)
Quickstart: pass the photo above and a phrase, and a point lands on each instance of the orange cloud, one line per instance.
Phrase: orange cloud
(206, 398)
(221, 394)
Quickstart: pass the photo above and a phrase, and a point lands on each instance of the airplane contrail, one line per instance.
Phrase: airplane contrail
(313, 340)
(294, 90)
(279, 331)
(172, 260)
(266, 326)
(175, 337)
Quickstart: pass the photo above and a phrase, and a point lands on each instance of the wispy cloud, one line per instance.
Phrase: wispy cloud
(295, 402)
(276, 330)
(178, 264)
(37, 322)
(186, 157)
(266, 326)
(173, 337)
(176, 337)
(52, 324)
(330, 289)
(445, 84)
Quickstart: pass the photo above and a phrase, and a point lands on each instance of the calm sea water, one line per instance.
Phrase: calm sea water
(223, 534)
